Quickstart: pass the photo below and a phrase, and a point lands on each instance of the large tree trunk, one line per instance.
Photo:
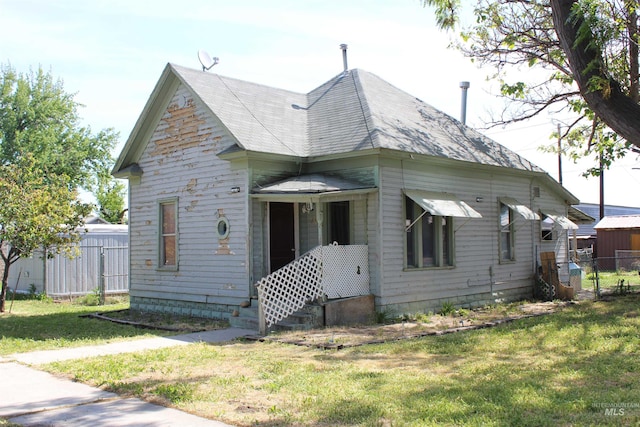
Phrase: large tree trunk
(614, 108)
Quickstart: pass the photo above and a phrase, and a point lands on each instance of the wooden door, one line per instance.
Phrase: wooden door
(282, 246)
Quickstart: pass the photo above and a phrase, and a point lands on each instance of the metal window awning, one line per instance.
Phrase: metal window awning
(310, 187)
(442, 204)
(521, 209)
(561, 220)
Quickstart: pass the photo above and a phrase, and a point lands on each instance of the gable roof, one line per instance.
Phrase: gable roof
(356, 110)
(618, 222)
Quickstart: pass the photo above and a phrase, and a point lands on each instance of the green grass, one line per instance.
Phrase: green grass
(559, 369)
(609, 280)
(44, 325)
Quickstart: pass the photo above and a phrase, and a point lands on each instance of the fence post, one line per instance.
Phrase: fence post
(262, 322)
(101, 277)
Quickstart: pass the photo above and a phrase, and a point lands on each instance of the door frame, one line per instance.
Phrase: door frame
(296, 232)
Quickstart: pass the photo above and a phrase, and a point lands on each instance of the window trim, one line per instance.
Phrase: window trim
(161, 235)
(511, 230)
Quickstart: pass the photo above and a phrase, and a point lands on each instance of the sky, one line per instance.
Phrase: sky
(110, 54)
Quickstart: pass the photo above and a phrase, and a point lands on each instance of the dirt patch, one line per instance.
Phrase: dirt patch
(461, 320)
(161, 321)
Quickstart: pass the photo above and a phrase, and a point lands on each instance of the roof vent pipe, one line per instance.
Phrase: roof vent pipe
(344, 56)
(463, 108)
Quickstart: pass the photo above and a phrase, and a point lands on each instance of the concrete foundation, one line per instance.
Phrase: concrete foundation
(349, 311)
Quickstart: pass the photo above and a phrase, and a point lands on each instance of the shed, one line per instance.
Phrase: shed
(618, 240)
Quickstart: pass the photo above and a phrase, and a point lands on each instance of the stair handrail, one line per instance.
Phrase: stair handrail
(289, 288)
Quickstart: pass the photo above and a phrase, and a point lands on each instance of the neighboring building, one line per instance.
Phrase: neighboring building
(229, 181)
(618, 233)
(62, 277)
(586, 233)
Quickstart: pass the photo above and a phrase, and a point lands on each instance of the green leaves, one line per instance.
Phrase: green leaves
(38, 117)
(38, 211)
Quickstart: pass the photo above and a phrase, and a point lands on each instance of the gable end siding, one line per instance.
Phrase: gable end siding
(180, 162)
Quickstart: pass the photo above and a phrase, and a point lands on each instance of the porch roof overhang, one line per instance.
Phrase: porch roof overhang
(310, 187)
(521, 209)
(578, 217)
(561, 220)
(442, 204)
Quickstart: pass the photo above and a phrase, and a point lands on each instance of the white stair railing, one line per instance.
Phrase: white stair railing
(333, 271)
(289, 288)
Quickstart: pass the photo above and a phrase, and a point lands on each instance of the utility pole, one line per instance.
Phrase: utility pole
(559, 156)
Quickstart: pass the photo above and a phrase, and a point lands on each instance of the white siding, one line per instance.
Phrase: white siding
(477, 269)
(180, 162)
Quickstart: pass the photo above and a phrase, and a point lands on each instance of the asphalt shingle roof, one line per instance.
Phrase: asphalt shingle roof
(356, 110)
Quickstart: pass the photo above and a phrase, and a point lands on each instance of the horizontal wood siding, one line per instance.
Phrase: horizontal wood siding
(180, 162)
(477, 269)
(548, 201)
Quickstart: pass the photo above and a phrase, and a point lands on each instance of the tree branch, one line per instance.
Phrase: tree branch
(612, 106)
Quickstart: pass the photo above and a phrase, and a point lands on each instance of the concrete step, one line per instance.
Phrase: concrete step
(244, 323)
(309, 317)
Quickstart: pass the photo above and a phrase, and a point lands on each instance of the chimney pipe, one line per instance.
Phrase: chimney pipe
(344, 56)
(463, 108)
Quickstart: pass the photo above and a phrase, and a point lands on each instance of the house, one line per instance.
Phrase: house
(619, 242)
(102, 260)
(240, 191)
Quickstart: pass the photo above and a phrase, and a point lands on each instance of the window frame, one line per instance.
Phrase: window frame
(162, 235)
(417, 238)
(547, 229)
(508, 230)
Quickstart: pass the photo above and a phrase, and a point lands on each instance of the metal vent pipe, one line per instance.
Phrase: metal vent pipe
(463, 108)
(344, 56)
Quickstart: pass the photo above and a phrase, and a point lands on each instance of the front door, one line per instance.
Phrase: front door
(282, 243)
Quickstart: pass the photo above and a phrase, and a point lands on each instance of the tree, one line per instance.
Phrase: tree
(38, 117)
(37, 211)
(109, 194)
(46, 155)
(583, 58)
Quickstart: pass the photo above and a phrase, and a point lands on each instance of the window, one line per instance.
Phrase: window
(429, 238)
(506, 233)
(168, 234)
(338, 227)
(546, 228)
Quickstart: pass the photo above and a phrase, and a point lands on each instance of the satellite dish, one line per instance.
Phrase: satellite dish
(207, 61)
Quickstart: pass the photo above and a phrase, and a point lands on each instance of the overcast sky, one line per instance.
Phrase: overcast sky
(111, 54)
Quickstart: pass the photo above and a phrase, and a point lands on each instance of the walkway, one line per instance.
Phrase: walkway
(30, 397)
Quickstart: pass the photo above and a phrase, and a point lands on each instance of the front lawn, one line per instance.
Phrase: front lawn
(45, 325)
(575, 367)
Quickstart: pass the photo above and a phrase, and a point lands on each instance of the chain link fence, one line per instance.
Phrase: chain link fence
(619, 274)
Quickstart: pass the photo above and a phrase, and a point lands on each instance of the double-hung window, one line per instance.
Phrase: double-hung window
(168, 233)
(429, 240)
(507, 233)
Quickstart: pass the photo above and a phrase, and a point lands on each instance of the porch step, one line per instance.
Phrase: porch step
(309, 317)
(247, 318)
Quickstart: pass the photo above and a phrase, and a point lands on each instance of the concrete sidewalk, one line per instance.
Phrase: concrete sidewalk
(34, 398)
